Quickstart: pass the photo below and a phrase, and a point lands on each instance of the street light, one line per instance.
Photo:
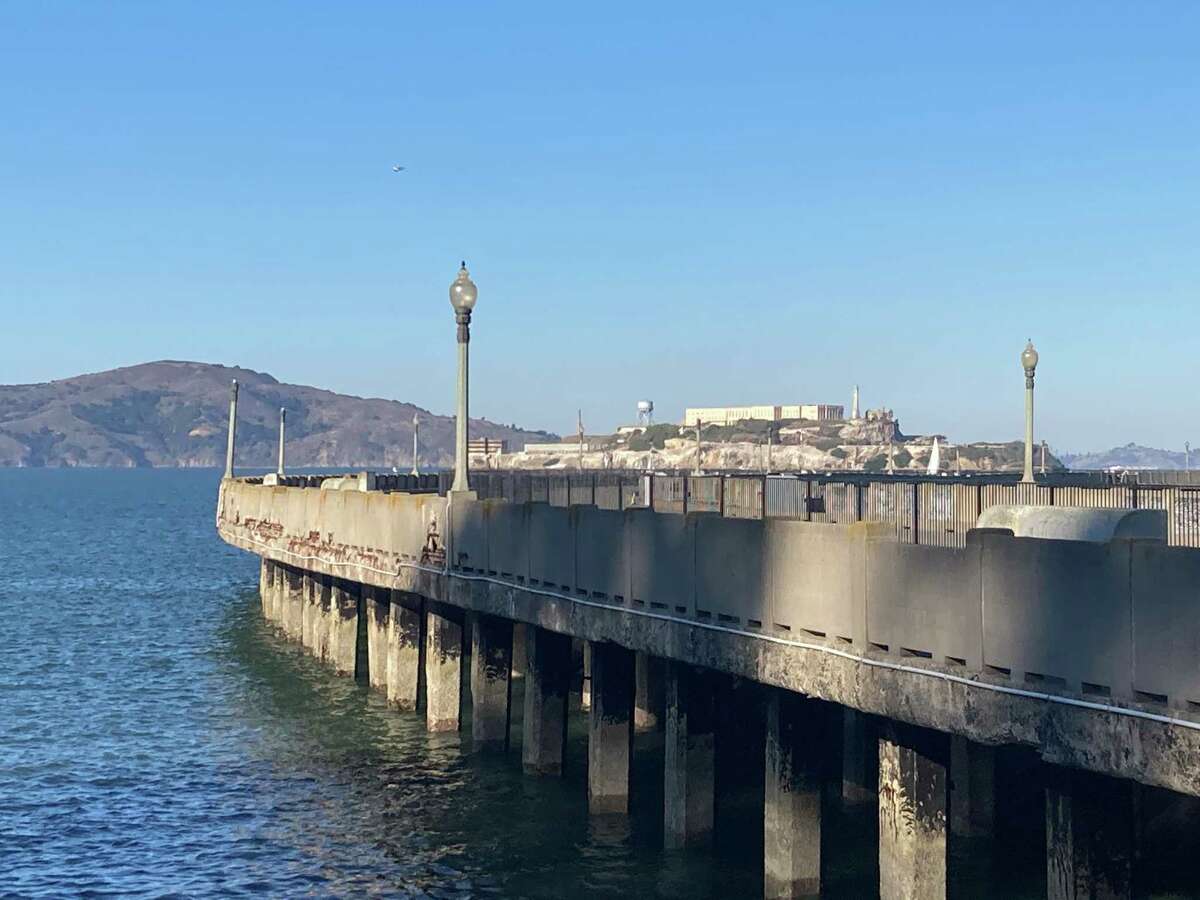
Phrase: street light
(463, 295)
(282, 420)
(233, 398)
(416, 428)
(1029, 361)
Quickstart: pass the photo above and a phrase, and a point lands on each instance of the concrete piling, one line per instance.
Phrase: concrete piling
(293, 605)
(689, 761)
(648, 699)
(796, 729)
(377, 607)
(913, 799)
(972, 788)
(1089, 837)
(585, 697)
(610, 728)
(343, 626)
(491, 681)
(548, 669)
(860, 758)
(405, 651)
(443, 672)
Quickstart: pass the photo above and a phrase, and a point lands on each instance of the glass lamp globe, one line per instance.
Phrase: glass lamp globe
(463, 292)
(1029, 356)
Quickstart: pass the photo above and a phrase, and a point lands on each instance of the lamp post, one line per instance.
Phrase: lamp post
(463, 295)
(233, 394)
(1029, 361)
(282, 419)
(416, 429)
(699, 426)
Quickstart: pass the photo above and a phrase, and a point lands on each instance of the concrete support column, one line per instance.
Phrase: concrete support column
(377, 608)
(913, 796)
(610, 728)
(860, 758)
(343, 626)
(796, 732)
(323, 616)
(276, 588)
(648, 699)
(443, 672)
(519, 652)
(311, 625)
(688, 764)
(972, 788)
(585, 699)
(405, 651)
(548, 669)
(293, 605)
(1089, 837)
(491, 681)
(266, 575)
(575, 698)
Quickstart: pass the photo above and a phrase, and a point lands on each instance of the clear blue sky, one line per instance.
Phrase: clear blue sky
(696, 203)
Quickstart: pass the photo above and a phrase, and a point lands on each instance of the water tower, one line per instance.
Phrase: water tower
(645, 410)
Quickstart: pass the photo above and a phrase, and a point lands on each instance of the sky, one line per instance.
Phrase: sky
(697, 204)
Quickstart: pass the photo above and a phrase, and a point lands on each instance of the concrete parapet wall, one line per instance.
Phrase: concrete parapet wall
(1008, 640)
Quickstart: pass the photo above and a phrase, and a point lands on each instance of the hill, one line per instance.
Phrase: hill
(174, 414)
(1131, 456)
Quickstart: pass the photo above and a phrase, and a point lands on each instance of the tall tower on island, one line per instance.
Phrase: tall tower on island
(854, 404)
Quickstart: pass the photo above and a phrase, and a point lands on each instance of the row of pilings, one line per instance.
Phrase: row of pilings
(929, 788)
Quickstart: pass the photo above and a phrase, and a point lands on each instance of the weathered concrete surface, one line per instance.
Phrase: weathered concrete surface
(972, 788)
(860, 758)
(378, 610)
(443, 671)
(343, 626)
(491, 681)
(649, 699)
(286, 527)
(796, 732)
(689, 758)
(405, 651)
(1065, 523)
(548, 670)
(1089, 837)
(913, 794)
(610, 729)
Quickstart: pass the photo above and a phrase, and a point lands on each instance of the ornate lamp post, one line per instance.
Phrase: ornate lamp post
(463, 295)
(416, 429)
(1029, 361)
(233, 394)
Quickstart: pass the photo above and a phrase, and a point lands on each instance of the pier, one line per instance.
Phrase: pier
(1070, 637)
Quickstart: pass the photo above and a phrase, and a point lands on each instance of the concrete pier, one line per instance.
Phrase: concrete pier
(585, 698)
(378, 609)
(913, 799)
(310, 605)
(1089, 837)
(548, 670)
(343, 626)
(649, 694)
(860, 758)
(405, 651)
(796, 729)
(443, 671)
(292, 619)
(491, 681)
(689, 760)
(610, 728)
(972, 788)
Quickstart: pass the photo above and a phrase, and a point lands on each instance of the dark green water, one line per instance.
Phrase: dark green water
(158, 739)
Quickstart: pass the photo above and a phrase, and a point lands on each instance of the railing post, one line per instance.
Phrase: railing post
(858, 501)
(808, 500)
(721, 494)
(686, 491)
(764, 497)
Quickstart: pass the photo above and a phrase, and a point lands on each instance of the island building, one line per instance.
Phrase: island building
(486, 447)
(728, 415)
(569, 444)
